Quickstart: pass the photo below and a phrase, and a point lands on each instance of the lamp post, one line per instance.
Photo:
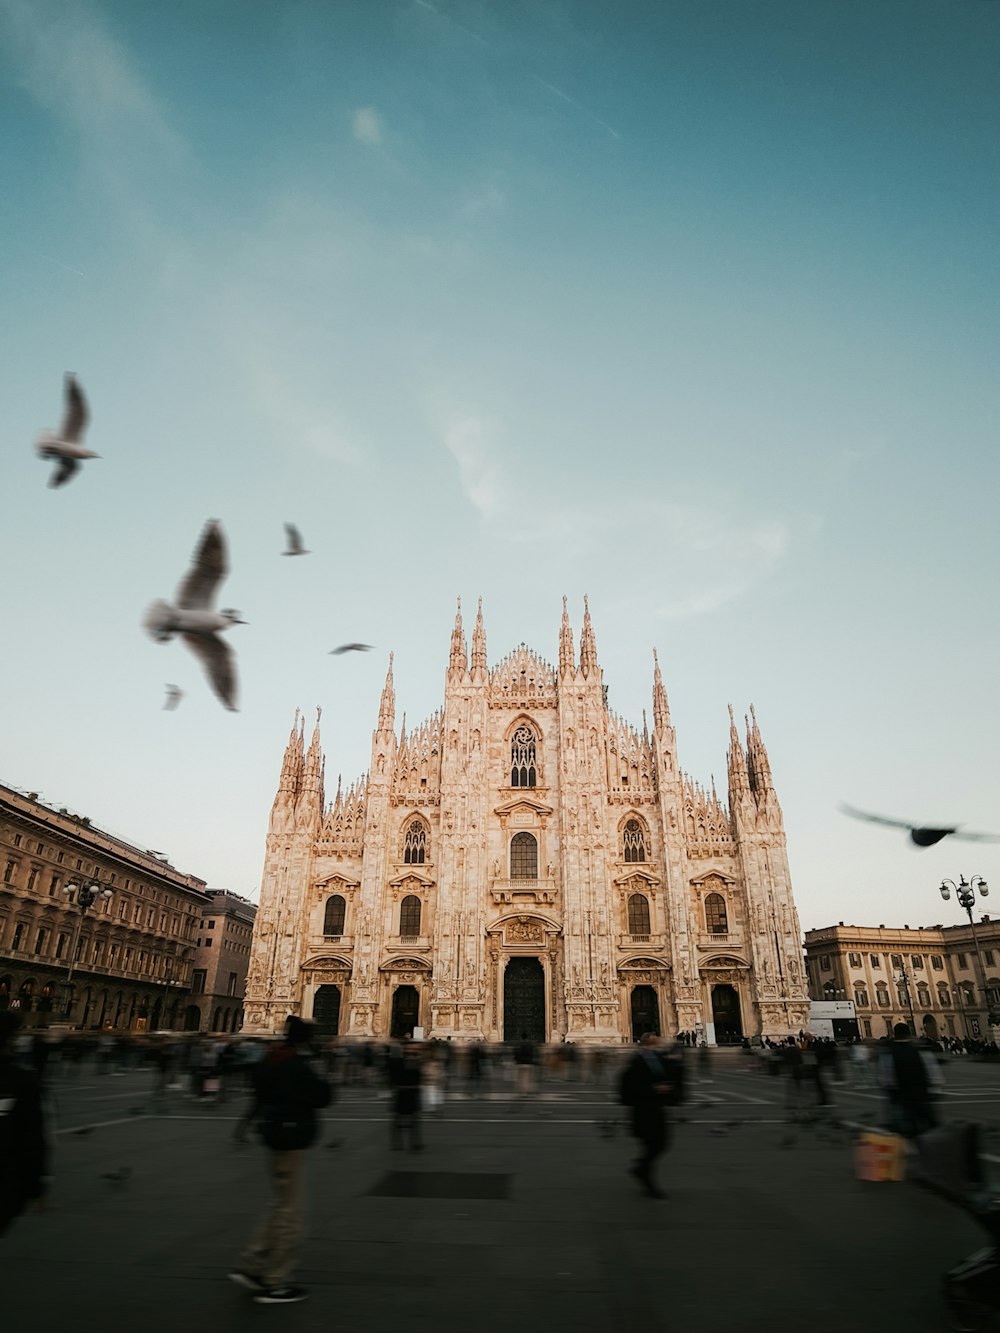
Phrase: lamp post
(86, 896)
(965, 892)
(902, 978)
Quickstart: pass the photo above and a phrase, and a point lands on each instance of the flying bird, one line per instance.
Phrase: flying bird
(922, 835)
(294, 537)
(351, 648)
(68, 446)
(194, 619)
(174, 696)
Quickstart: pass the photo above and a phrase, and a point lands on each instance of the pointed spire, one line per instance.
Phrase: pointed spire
(312, 773)
(739, 779)
(291, 765)
(567, 654)
(588, 647)
(759, 764)
(458, 660)
(479, 641)
(661, 707)
(387, 704)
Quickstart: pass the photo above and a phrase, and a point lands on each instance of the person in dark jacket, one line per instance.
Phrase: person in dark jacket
(23, 1142)
(648, 1086)
(288, 1093)
(405, 1079)
(909, 1078)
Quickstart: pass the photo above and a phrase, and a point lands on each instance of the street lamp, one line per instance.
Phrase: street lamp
(86, 896)
(903, 979)
(965, 892)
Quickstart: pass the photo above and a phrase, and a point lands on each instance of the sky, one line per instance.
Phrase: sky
(688, 306)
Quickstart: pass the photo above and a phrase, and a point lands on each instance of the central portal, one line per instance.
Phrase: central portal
(524, 1000)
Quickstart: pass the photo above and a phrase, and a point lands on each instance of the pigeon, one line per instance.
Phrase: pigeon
(295, 546)
(922, 835)
(67, 446)
(174, 696)
(351, 648)
(195, 620)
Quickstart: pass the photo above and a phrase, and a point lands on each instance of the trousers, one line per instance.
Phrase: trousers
(272, 1251)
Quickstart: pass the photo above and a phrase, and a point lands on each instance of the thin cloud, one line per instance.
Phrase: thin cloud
(70, 63)
(467, 440)
(558, 92)
(366, 125)
(453, 22)
(712, 556)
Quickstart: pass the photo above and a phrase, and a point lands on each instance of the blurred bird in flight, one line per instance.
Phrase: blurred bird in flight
(174, 696)
(194, 619)
(294, 537)
(922, 835)
(68, 446)
(351, 648)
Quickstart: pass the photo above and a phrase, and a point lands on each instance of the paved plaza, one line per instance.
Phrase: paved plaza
(518, 1215)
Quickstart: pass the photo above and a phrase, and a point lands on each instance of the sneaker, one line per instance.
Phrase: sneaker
(280, 1295)
(248, 1280)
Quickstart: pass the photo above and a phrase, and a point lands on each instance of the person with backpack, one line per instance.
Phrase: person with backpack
(23, 1141)
(288, 1093)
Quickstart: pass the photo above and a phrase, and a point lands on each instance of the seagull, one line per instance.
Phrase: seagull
(351, 648)
(174, 696)
(922, 835)
(195, 620)
(67, 446)
(295, 546)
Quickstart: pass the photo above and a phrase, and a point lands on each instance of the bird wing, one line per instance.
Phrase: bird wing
(219, 662)
(64, 469)
(76, 416)
(876, 819)
(294, 537)
(207, 571)
(977, 837)
(351, 648)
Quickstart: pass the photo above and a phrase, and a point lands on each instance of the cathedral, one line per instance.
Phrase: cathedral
(526, 863)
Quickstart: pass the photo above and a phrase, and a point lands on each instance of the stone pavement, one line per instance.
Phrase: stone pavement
(520, 1217)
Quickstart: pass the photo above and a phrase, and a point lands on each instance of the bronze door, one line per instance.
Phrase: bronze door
(326, 1010)
(405, 1011)
(645, 1012)
(524, 1000)
(726, 1015)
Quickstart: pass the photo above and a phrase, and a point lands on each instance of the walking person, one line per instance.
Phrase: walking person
(289, 1092)
(405, 1078)
(647, 1088)
(910, 1078)
(23, 1142)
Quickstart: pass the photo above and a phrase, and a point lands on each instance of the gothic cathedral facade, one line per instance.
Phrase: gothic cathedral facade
(527, 864)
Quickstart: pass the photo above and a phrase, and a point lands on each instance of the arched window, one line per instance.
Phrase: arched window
(716, 917)
(829, 991)
(860, 997)
(523, 764)
(414, 843)
(523, 856)
(638, 914)
(409, 915)
(335, 915)
(635, 841)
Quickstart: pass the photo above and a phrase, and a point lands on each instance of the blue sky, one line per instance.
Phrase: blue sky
(688, 306)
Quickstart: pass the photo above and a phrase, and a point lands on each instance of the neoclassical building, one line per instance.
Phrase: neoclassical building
(526, 862)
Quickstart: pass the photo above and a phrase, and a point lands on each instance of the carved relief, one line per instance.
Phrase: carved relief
(523, 931)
